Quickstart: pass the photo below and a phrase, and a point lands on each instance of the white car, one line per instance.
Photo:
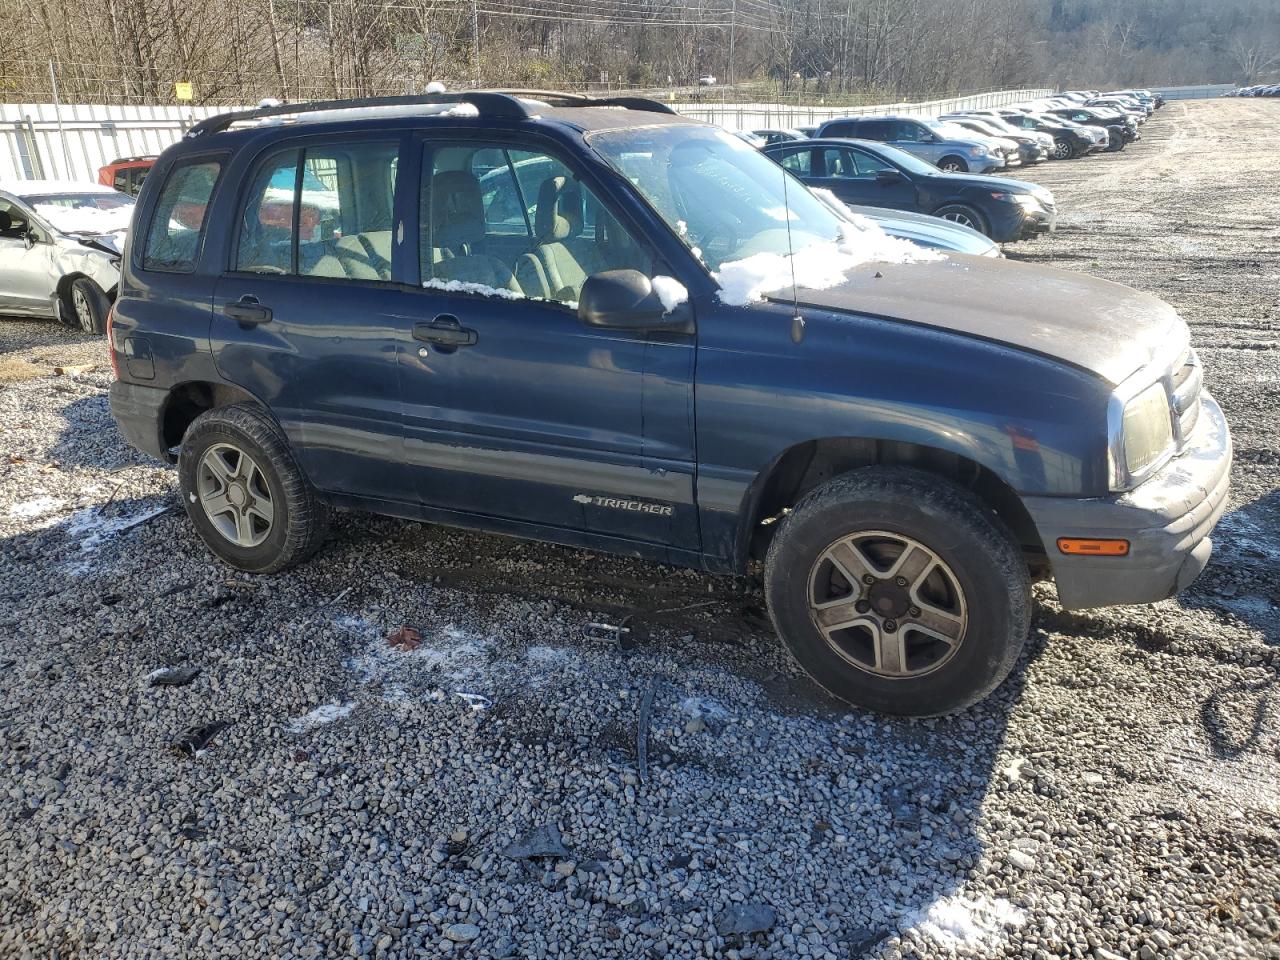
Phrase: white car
(707, 80)
(60, 247)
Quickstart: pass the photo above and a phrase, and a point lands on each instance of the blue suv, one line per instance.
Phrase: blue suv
(594, 322)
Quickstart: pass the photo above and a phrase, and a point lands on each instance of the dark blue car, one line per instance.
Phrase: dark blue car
(878, 175)
(597, 323)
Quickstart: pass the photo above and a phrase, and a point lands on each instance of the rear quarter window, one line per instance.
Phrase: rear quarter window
(177, 223)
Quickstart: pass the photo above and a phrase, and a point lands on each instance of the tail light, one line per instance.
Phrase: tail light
(111, 341)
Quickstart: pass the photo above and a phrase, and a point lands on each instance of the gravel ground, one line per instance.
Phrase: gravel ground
(1118, 797)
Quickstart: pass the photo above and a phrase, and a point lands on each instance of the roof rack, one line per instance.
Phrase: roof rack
(503, 104)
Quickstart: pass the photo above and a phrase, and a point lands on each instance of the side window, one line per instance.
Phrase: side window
(177, 224)
(845, 129)
(13, 222)
(800, 163)
(324, 211)
(867, 164)
(876, 130)
(909, 132)
(515, 221)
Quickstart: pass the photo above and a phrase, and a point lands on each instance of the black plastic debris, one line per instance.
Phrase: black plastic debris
(197, 738)
(745, 918)
(543, 841)
(174, 677)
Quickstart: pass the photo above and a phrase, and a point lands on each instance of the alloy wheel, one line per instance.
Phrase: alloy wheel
(887, 604)
(234, 495)
(84, 311)
(962, 218)
(1062, 150)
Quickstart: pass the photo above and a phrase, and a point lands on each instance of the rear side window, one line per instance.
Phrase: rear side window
(325, 211)
(177, 225)
(799, 163)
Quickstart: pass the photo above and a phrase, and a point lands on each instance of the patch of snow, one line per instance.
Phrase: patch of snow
(477, 702)
(816, 267)
(957, 922)
(94, 530)
(670, 291)
(35, 507)
(321, 715)
(86, 219)
(462, 110)
(1013, 772)
(547, 656)
(435, 86)
(682, 228)
(462, 286)
(700, 707)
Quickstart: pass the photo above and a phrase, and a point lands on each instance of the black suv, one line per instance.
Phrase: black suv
(598, 323)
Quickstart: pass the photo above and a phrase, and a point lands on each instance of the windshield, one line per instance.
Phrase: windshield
(723, 198)
(84, 212)
(966, 128)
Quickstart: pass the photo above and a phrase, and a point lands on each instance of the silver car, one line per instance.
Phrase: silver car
(965, 154)
(60, 246)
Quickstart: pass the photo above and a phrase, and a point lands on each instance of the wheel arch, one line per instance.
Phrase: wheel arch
(189, 399)
(810, 463)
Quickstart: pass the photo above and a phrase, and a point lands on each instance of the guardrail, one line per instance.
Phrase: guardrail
(41, 141)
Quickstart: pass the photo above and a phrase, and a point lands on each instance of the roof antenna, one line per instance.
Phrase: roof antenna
(797, 321)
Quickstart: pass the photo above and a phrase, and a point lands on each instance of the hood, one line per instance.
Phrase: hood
(106, 242)
(986, 182)
(1106, 328)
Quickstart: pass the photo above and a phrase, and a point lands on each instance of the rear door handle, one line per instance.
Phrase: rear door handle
(446, 331)
(247, 310)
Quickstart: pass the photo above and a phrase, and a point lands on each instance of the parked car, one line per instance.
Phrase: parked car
(1008, 148)
(926, 231)
(701, 365)
(707, 80)
(782, 135)
(1120, 132)
(1030, 148)
(1070, 140)
(126, 174)
(971, 154)
(878, 175)
(60, 246)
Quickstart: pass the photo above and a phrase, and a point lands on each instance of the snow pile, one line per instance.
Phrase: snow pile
(435, 86)
(462, 286)
(327, 713)
(957, 922)
(462, 110)
(86, 219)
(670, 291)
(816, 267)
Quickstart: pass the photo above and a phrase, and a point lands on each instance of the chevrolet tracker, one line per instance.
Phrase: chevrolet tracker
(594, 322)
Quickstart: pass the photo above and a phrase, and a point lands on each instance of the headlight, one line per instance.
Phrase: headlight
(1140, 435)
(977, 151)
(1026, 201)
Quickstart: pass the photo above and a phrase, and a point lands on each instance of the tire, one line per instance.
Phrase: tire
(974, 582)
(1064, 149)
(953, 165)
(85, 307)
(236, 458)
(964, 215)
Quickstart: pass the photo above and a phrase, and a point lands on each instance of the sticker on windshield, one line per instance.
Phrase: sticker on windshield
(632, 506)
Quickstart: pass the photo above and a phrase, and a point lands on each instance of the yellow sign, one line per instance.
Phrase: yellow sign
(183, 91)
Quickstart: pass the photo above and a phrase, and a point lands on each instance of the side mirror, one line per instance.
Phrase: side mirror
(887, 178)
(625, 300)
(28, 240)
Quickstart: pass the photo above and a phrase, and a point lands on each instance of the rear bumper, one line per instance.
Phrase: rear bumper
(1167, 521)
(139, 413)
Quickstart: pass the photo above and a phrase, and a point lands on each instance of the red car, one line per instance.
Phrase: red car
(126, 174)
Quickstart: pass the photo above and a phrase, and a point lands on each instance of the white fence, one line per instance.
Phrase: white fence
(1203, 91)
(39, 141)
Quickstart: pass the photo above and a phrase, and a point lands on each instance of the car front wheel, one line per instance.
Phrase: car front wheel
(898, 591)
(964, 215)
(245, 494)
(86, 307)
(953, 165)
(1063, 150)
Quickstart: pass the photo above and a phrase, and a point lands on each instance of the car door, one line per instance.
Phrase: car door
(307, 315)
(859, 177)
(515, 410)
(28, 276)
(916, 138)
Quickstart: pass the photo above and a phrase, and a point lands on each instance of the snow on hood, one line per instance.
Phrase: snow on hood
(817, 266)
(91, 220)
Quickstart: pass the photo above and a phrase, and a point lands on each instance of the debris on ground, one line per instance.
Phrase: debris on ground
(174, 676)
(198, 738)
(405, 639)
(543, 841)
(745, 918)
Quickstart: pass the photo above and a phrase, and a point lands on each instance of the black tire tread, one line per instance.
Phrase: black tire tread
(99, 300)
(309, 515)
(933, 494)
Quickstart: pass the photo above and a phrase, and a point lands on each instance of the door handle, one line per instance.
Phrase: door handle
(247, 311)
(446, 331)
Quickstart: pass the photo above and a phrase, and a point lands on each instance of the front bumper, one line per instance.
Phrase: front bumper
(139, 413)
(1167, 521)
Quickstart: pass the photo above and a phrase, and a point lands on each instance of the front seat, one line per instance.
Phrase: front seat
(564, 258)
(456, 230)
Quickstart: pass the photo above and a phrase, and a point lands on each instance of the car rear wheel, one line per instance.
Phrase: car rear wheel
(86, 307)
(1063, 149)
(953, 165)
(898, 591)
(964, 215)
(246, 495)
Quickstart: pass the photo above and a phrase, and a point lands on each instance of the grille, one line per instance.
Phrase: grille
(1184, 393)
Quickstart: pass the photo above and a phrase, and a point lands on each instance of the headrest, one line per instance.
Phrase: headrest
(559, 213)
(6, 221)
(457, 211)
